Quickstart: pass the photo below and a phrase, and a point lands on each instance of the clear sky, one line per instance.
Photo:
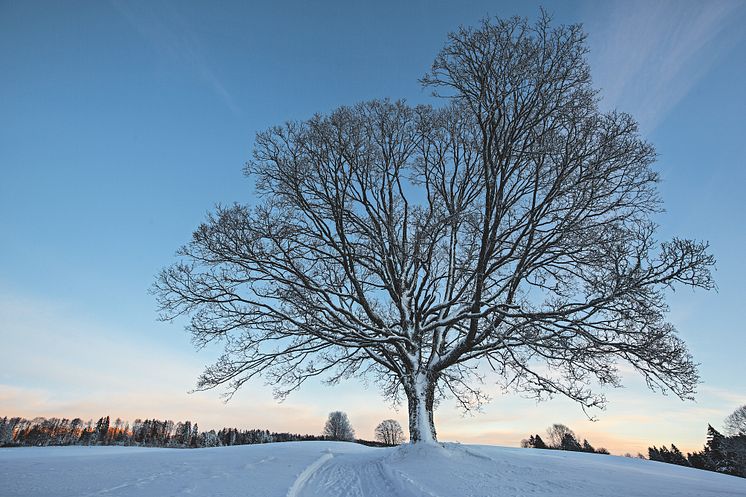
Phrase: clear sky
(123, 123)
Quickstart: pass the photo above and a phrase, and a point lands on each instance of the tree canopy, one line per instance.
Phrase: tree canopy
(509, 226)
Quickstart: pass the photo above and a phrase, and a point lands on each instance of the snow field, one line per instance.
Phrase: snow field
(337, 469)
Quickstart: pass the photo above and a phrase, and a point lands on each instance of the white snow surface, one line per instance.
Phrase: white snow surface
(336, 469)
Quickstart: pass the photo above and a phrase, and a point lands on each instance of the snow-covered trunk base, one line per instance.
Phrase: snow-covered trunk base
(420, 392)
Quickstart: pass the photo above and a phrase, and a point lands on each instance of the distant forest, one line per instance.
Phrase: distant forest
(722, 454)
(21, 432)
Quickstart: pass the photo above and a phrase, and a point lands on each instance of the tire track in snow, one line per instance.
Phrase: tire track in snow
(356, 475)
(390, 476)
(306, 474)
(135, 483)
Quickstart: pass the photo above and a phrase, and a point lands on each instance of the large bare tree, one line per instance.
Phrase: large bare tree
(509, 229)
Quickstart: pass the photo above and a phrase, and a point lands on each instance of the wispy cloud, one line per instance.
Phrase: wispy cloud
(172, 36)
(647, 55)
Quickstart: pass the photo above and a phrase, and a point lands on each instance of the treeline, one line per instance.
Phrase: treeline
(21, 432)
(722, 454)
(560, 437)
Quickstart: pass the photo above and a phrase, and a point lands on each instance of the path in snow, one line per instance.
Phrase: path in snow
(355, 475)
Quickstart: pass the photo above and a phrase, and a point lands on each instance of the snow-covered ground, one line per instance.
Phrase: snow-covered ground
(333, 469)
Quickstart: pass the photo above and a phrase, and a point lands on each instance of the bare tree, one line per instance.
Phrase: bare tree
(557, 433)
(389, 432)
(338, 427)
(735, 423)
(510, 227)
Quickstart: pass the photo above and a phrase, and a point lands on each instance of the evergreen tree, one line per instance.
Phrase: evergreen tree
(3, 431)
(714, 450)
(569, 442)
(654, 454)
(194, 439)
(587, 447)
(102, 429)
(539, 443)
(676, 457)
(699, 460)
(533, 442)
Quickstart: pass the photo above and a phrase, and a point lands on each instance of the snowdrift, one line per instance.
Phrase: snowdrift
(335, 469)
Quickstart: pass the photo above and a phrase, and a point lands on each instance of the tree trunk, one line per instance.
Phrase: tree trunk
(420, 392)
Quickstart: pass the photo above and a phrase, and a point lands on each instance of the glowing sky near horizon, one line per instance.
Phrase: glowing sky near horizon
(123, 123)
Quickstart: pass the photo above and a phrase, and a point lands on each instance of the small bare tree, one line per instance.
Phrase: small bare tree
(338, 427)
(511, 227)
(735, 422)
(389, 432)
(557, 433)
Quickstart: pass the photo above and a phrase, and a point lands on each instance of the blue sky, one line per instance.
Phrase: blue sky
(123, 123)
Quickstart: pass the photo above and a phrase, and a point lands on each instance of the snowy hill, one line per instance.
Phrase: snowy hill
(333, 469)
